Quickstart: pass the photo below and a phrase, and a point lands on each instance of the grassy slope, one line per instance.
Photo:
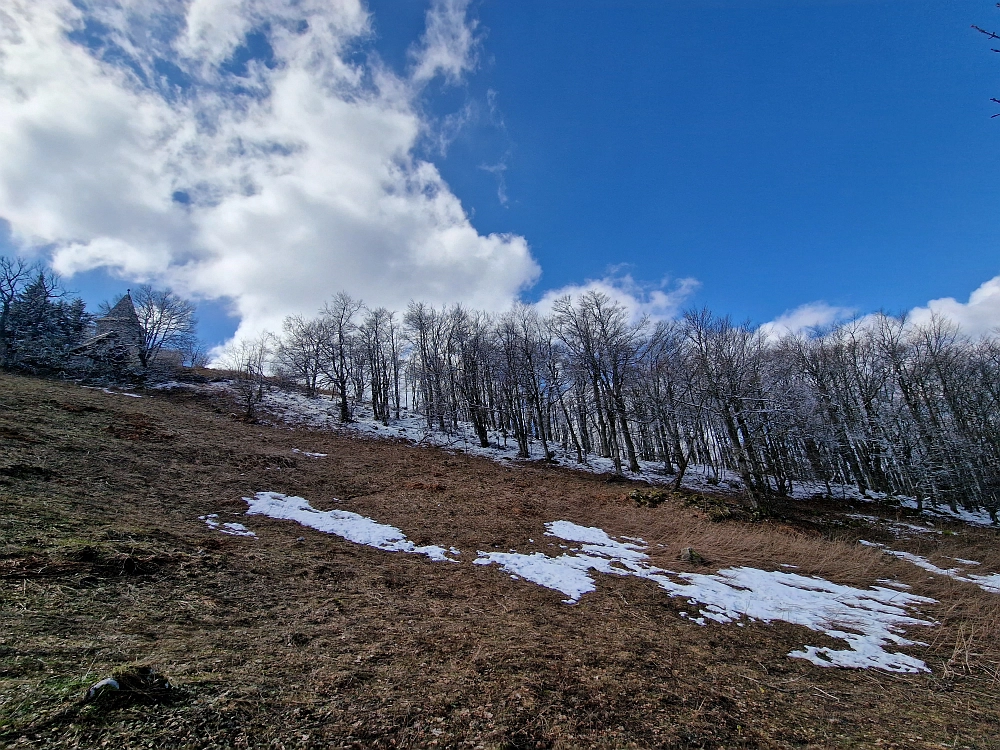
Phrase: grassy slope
(321, 643)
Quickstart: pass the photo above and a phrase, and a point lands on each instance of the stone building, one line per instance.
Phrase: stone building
(118, 338)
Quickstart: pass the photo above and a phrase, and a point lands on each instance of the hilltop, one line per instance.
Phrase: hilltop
(126, 540)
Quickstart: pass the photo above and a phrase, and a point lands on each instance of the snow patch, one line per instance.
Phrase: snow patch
(896, 584)
(897, 528)
(233, 529)
(310, 455)
(869, 620)
(989, 583)
(922, 562)
(111, 392)
(566, 574)
(350, 526)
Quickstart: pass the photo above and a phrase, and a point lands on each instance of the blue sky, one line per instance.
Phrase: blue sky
(779, 153)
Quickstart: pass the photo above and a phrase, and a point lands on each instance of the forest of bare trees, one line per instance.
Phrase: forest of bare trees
(877, 403)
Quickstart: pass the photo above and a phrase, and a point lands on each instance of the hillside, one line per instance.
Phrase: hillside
(290, 634)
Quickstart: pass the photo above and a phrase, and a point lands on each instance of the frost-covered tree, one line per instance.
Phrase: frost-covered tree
(41, 324)
(879, 403)
(338, 320)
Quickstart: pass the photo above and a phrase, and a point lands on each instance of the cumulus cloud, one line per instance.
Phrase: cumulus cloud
(661, 301)
(805, 317)
(238, 149)
(979, 316)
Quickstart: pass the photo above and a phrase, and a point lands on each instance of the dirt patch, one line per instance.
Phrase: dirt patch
(12, 433)
(24, 471)
(138, 427)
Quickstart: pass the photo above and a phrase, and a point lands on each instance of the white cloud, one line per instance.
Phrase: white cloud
(662, 301)
(979, 316)
(805, 317)
(448, 46)
(276, 188)
(214, 29)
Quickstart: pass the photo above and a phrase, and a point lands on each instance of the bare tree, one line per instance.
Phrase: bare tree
(338, 321)
(379, 337)
(302, 350)
(992, 35)
(247, 361)
(880, 404)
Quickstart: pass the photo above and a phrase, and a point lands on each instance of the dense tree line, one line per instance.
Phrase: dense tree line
(878, 403)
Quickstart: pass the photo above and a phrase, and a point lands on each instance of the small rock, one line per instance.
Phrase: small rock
(128, 685)
(688, 554)
(98, 688)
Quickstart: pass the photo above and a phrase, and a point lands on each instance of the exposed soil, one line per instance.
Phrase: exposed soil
(300, 639)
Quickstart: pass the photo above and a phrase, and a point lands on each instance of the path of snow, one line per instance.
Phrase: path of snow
(111, 392)
(989, 583)
(233, 529)
(897, 528)
(350, 526)
(966, 562)
(867, 619)
(296, 409)
(922, 562)
(307, 453)
(568, 573)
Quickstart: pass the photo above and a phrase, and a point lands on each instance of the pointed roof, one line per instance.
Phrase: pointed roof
(124, 310)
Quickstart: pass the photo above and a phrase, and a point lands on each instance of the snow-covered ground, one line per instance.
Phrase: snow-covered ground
(809, 490)
(989, 582)
(868, 620)
(295, 408)
(111, 392)
(308, 454)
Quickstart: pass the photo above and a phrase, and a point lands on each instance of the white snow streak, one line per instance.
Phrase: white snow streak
(111, 392)
(307, 453)
(350, 526)
(989, 583)
(926, 564)
(233, 529)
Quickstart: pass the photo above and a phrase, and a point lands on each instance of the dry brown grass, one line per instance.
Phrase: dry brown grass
(277, 642)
